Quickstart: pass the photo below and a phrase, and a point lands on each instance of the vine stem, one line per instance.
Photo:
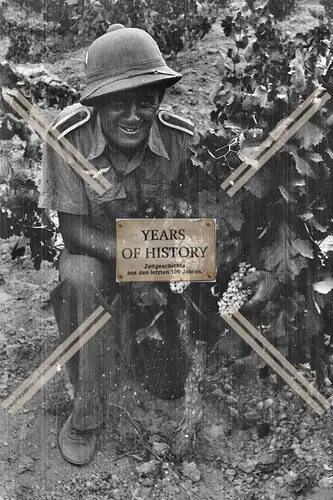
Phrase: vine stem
(186, 433)
(138, 432)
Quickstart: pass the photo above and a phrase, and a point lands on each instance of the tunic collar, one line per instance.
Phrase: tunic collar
(99, 141)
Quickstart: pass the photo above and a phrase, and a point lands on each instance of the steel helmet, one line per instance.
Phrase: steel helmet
(123, 59)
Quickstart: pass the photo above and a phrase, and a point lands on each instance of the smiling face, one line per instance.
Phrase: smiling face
(127, 116)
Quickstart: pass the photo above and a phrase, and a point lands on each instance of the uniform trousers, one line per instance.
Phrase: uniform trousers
(84, 284)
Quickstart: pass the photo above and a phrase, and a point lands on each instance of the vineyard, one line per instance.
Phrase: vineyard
(64, 26)
(260, 66)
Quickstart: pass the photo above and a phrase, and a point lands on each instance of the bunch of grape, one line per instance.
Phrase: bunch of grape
(236, 296)
(178, 286)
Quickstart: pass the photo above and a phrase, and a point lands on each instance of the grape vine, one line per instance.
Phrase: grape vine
(21, 154)
(279, 10)
(64, 26)
(284, 212)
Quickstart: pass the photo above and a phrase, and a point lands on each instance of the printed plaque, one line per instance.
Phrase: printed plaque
(166, 250)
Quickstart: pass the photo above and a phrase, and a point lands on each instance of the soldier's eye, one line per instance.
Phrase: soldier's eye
(118, 103)
(148, 100)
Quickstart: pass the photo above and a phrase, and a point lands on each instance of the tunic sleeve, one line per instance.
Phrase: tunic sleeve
(61, 188)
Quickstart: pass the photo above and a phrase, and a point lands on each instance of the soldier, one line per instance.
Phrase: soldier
(143, 152)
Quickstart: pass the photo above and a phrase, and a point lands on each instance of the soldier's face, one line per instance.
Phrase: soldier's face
(127, 116)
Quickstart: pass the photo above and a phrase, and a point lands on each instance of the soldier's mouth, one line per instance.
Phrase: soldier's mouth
(130, 130)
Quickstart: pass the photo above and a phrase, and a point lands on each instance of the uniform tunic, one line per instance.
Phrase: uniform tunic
(148, 178)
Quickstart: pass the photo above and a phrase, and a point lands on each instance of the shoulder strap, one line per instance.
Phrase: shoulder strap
(71, 118)
(174, 121)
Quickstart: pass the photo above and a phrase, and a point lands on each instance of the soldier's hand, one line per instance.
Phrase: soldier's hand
(263, 285)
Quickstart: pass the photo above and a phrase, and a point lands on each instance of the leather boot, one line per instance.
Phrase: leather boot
(77, 447)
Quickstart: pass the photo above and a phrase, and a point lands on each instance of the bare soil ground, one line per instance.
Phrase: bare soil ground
(273, 446)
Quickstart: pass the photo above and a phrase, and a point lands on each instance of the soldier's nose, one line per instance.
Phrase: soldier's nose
(132, 113)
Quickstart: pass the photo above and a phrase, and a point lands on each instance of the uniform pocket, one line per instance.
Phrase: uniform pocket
(115, 192)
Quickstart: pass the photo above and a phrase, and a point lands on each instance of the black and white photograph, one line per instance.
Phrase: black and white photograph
(166, 249)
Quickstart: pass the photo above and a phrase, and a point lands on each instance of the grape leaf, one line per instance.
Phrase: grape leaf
(222, 230)
(306, 216)
(151, 333)
(317, 225)
(5, 170)
(247, 103)
(279, 326)
(297, 72)
(327, 244)
(309, 136)
(228, 251)
(229, 209)
(324, 286)
(329, 151)
(259, 185)
(293, 267)
(273, 256)
(302, 166)
(225, 96)
(316, 157)
(258, 98)
(260, 4)
(298, 78)
(8, 75)
(207, 204)
(302, 247)
(321, 299)
(287, 256)
(221, 206)
(147, 294)
(247, 151)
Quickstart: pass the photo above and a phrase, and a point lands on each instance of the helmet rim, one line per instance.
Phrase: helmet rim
(109, 86)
